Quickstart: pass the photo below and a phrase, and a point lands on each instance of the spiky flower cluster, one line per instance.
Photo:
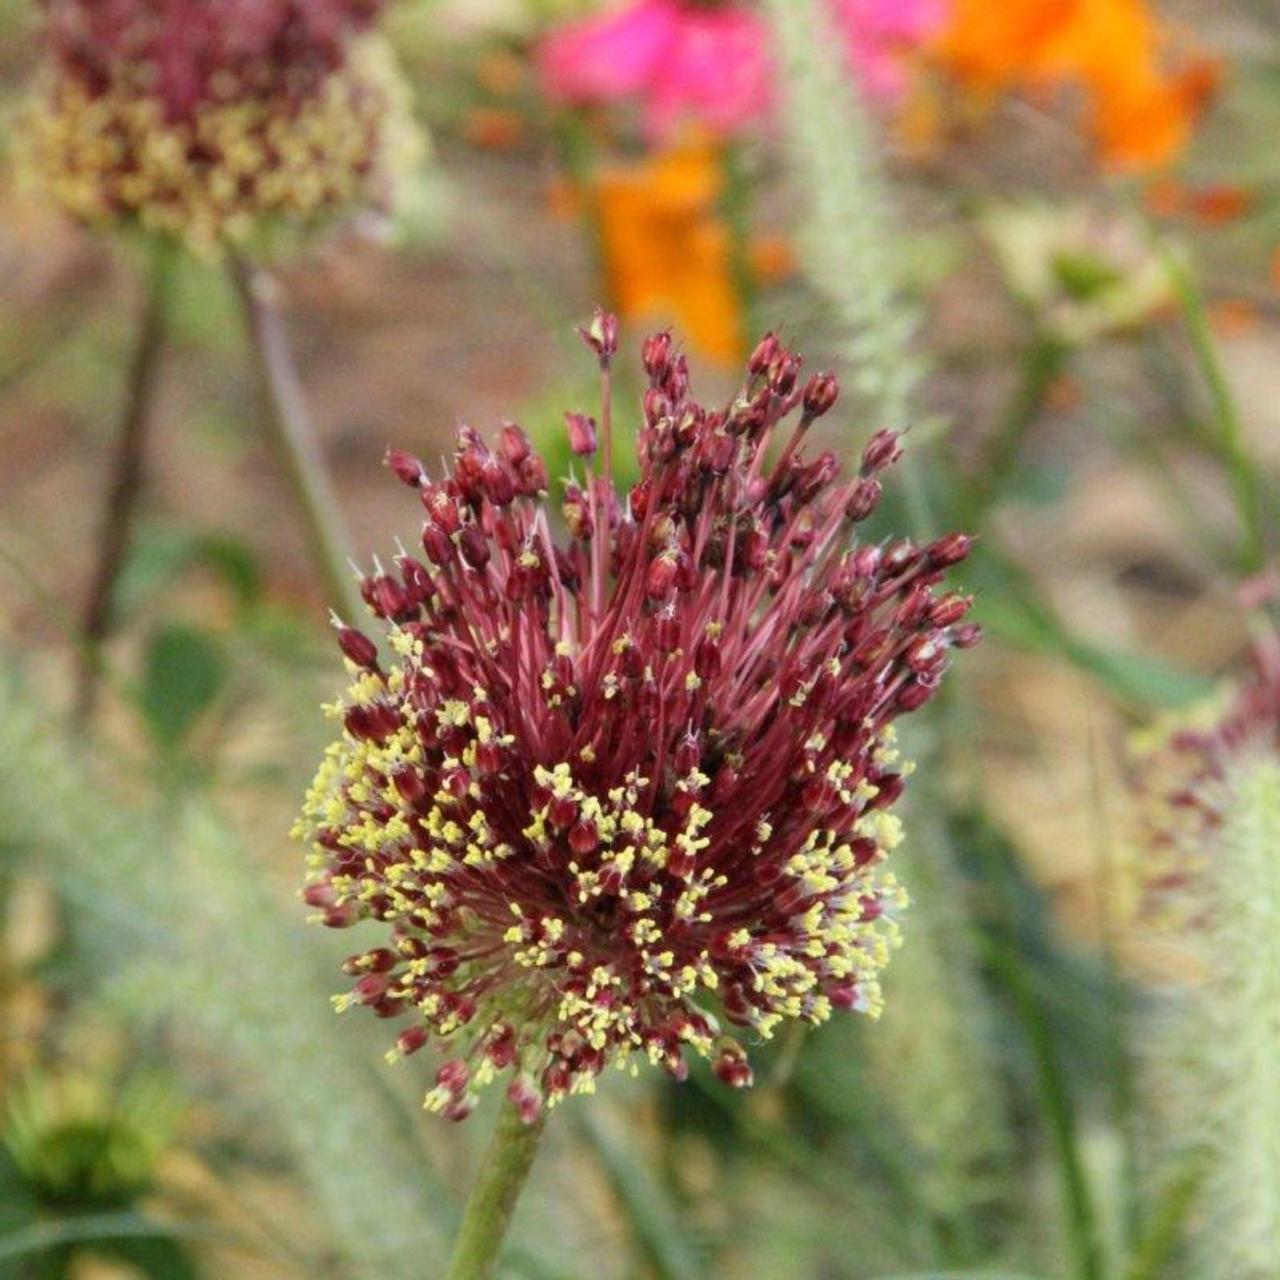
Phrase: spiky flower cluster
(1210, 826)
(1186, 769)
(606, 782)
(210, 120)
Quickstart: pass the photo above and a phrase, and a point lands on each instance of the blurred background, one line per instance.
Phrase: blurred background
(1046, 239)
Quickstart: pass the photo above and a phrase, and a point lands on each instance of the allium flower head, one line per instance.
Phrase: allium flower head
(209, 119)
(1209, 827)
(613, 790)
(1186, 776)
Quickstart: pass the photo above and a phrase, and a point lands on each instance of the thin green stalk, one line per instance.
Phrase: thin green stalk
(1243, 472)
(126, 477)
(1042, 362)
(1055, 1097)
(999, 948)
(735, 205)
(1120, 1020)
(289, 425)
(493, 1198)
(1163, 1236)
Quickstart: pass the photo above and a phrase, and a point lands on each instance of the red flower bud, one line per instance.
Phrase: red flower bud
(766, 351)
(582, 434)
(514, 444)
(820, 393)
(883, 450)
(660, 578)
(407, 468)
(863, 499)
(602, 335)
(656, 355)
(949, 549)
(358, 648)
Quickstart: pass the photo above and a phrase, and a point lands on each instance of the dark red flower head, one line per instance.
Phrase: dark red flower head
(214, 121)
(190, 51)
(612, 790)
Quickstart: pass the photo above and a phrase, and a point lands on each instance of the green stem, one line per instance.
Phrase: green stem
(735, 204)
(1163, 1236)
(127, 477)
(1081, 1221)
(291, 432)
(493, 1198)
(1228, 441)
(1042, 362)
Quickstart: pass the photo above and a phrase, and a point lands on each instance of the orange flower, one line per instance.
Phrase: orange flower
(1139, 110)
(666, 250)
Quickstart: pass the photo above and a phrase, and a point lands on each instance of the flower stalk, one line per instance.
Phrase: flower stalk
(289, 426)
(492, 1202)
(127, 475)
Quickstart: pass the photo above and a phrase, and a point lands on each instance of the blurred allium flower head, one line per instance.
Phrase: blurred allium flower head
(605, 783)
(212, 120)
(1209, 847)
(1189, 769)
(710, 63)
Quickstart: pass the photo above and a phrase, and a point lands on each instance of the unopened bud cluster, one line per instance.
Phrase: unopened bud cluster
(622, 794)
(214, 120)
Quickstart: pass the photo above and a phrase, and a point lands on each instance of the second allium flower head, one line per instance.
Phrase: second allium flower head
(606, 785)
(210, 120)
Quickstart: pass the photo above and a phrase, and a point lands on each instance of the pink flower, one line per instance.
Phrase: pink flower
(879, 32)
(709, 64)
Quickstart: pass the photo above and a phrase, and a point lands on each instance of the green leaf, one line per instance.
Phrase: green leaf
(1011, 609)
(98, 1228)
(162, 554)
(654, 1223)
(184, 670)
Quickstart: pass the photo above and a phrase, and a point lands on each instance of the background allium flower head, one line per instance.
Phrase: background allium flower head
(207, 119)
(1209, 844)
(1186, 776)
(603, 786)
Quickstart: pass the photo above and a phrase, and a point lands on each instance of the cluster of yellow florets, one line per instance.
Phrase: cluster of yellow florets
(558, 926)
(245, 160)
